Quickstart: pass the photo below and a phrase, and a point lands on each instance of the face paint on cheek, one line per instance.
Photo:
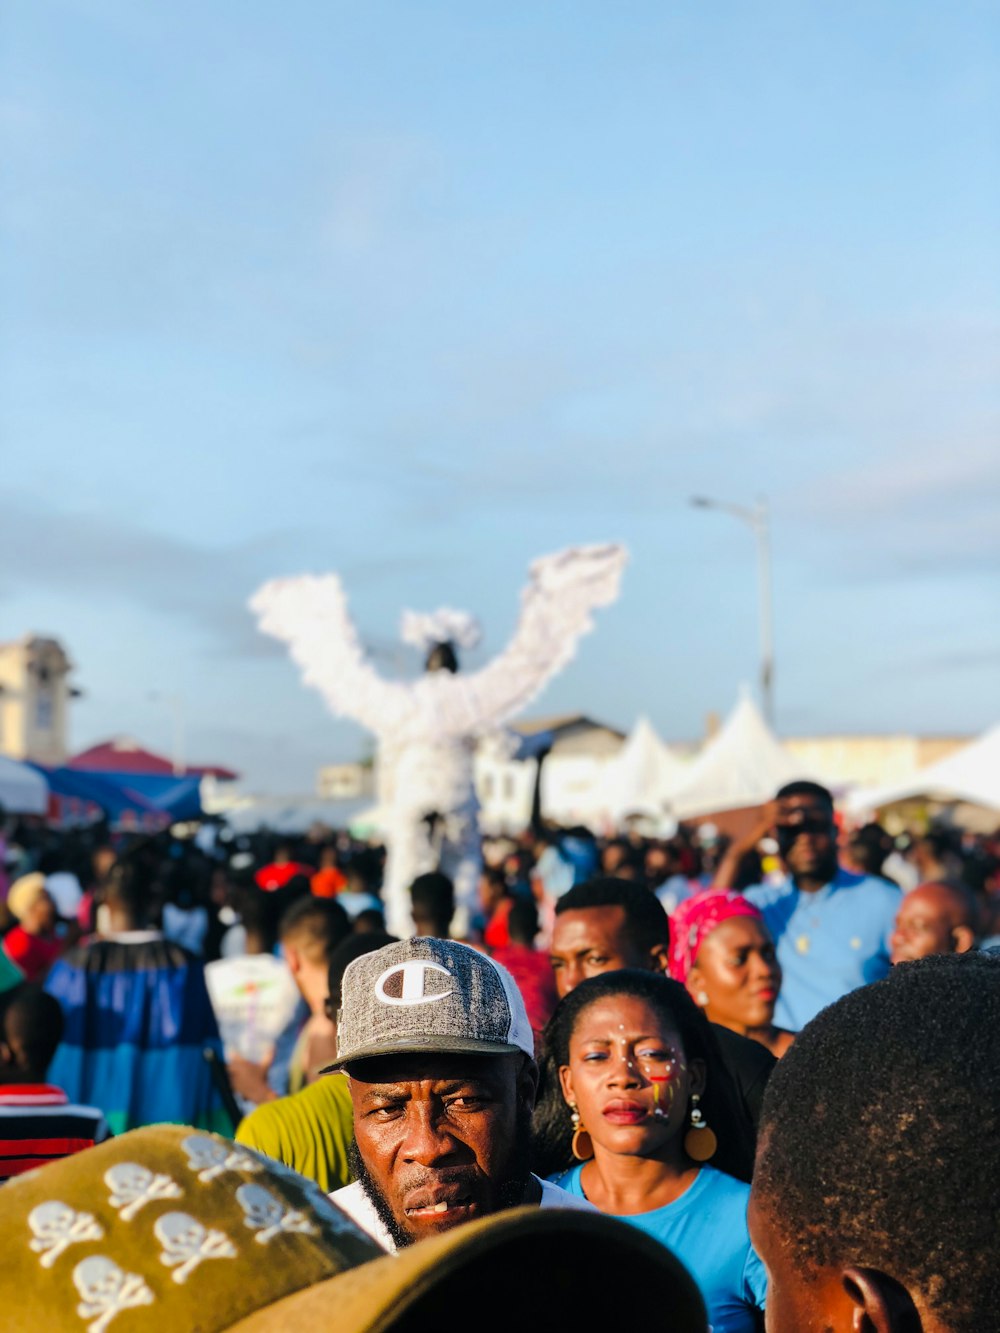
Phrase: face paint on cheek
(663, 1090)
(665, 1081)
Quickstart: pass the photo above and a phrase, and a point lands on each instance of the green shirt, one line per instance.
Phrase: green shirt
(309, 1131)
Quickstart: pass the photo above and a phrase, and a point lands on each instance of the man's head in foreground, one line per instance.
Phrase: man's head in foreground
(934, 918)
(438, 1048)
(875, 1203)
(604, 925)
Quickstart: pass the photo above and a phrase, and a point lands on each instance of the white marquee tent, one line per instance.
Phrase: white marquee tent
(742, 766)
(641, 777)
(971, 774)
(23, 790)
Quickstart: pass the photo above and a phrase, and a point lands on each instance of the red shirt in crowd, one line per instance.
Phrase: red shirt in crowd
(327, 883)
(533, 974)
(38, 1125)
(34, 954)
(276, 876)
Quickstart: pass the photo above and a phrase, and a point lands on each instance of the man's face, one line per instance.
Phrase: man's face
(925, 925)
(441, 1139)
(807, 836)
(591, 941)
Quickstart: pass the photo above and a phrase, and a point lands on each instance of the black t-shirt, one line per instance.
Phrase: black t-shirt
(750, 1065)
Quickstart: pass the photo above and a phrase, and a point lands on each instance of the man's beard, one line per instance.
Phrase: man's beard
(509, 1192)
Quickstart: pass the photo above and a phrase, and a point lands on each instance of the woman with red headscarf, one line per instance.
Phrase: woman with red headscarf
(721, 950)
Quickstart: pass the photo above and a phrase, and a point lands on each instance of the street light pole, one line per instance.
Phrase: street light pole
(758, 519)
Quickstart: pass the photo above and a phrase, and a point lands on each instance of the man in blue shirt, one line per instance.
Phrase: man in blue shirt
(831, 927)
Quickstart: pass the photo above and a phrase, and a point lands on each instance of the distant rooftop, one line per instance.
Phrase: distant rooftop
(563, 722)
(124, 754)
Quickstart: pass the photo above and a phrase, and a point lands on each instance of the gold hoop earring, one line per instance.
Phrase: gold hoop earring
(582, 1146)
(700, 1142)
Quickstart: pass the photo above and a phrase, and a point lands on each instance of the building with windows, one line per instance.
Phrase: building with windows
(579, 749)
(34, 699)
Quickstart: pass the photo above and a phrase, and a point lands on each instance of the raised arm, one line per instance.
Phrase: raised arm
(309, 613)
(556, 606)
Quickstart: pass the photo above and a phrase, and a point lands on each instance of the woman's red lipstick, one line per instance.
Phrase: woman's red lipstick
(620, 1112)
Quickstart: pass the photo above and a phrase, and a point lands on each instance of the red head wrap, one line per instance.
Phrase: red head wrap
(695, 919)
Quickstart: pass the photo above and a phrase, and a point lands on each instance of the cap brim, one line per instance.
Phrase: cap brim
(429, 1043)
(445, 1283)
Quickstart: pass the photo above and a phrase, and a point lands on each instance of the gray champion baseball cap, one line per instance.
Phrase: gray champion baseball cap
(425, 994)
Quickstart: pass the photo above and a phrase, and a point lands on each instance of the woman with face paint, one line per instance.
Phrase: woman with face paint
(722, 951)
(647, 1103)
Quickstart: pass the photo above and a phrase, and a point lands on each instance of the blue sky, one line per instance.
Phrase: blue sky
(418, 291)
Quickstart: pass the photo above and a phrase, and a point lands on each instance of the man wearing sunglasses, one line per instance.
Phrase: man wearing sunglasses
(831, 927)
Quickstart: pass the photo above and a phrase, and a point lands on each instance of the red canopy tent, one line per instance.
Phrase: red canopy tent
(122, 754)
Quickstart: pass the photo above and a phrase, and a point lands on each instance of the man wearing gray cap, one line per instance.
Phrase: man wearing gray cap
(439, 1051)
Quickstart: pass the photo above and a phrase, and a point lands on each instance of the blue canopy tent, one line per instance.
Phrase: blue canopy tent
(129, 800)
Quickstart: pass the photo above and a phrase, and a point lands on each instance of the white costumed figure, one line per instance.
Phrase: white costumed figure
(427, 728)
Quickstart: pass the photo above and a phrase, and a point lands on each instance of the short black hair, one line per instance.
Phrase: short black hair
(722, 1108)
(123, 893)
(805, 788)
(369, 922)
(522, 921)
(939, 841)
(644, 915)
(880, 1136)
(259, 914)
(317, 925)
(870, 846)
(32, 1020)
(433, 898)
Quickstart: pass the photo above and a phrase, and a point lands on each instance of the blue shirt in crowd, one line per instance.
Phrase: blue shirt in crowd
(706, 1228)
(828, 942)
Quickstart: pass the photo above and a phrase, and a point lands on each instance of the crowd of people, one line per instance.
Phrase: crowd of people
(770, 1061)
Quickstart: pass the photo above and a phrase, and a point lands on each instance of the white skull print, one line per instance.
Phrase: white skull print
(133, 1186)
(211, 1158)
(187, 1243)
(106, 1290)
(268, 1216)
(57, 1226)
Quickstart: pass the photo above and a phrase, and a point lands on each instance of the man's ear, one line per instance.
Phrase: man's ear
(963, 939)
(881, 1304)
(293, 958)
(8, 1060)
(527, 1082)
(659, 956)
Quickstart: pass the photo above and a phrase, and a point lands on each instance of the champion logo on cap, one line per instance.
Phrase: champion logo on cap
(426, 994)
(413, 983)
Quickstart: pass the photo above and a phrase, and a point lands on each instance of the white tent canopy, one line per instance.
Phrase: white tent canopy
(23, 790)
(971, 774)
(293, 816)
(641, 777)
(743, 765)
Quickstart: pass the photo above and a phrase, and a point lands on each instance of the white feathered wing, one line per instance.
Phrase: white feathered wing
(310, 614)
